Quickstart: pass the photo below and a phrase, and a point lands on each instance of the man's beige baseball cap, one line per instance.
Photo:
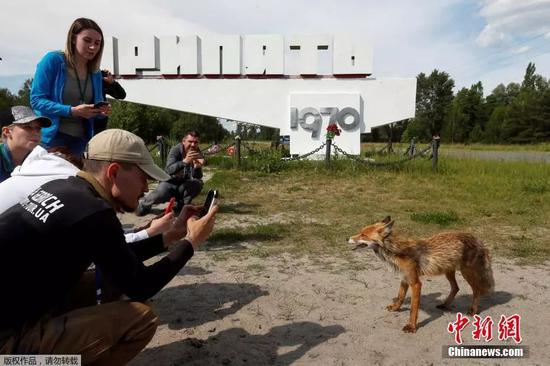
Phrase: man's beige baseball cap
(124, 147)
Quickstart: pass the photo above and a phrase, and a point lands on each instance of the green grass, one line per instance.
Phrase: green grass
(494, 147)
(260, 252)
(444, 218)
(258, 233)
(375, 146)
(535, 187)
(310, 209)
(526, 249)
(229, 181)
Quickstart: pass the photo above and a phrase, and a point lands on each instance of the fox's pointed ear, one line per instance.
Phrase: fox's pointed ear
(387, 219)
(387, 229)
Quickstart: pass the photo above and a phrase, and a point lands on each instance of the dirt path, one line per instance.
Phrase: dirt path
(319, 311)
(283, 311)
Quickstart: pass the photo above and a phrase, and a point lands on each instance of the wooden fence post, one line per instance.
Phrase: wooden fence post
(238, 150)
(327, 152)
(435, 151)
(412, 148)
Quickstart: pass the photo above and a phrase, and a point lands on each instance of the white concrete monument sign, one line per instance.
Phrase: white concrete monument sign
(310, 114)
(298, 85)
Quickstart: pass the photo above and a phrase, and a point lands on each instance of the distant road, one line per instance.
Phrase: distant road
(541, 156)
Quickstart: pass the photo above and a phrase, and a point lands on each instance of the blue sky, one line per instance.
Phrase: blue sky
(473, 40)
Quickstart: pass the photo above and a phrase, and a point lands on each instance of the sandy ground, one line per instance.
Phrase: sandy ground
(319, 311)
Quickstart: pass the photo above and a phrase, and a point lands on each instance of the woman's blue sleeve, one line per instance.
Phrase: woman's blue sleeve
(43, 84)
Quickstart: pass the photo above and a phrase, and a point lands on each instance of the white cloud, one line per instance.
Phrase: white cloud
(29, 29)
(409, 37)
(521, 49)
(508, 19)
(490, 36)
(393, 26)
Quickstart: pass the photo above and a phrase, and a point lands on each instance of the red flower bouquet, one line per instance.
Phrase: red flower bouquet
(332, 131)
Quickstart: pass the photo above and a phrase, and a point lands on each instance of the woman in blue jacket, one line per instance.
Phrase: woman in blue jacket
(66, 86)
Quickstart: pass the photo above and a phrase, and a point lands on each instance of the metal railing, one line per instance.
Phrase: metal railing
(411, 153)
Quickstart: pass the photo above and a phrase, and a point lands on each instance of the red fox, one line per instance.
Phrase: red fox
(442, 253)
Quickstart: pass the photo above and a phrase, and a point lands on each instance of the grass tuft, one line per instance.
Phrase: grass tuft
(444, 218)
(535, 187)
(227, 237)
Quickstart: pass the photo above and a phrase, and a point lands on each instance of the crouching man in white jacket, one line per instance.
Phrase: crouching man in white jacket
(41, 167)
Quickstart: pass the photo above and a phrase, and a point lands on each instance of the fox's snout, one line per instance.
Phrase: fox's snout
(354, 239)
(359, 242)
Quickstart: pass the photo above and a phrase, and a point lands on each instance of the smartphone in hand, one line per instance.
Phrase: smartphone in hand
(170, 206)
(211, 200)
(101, 104)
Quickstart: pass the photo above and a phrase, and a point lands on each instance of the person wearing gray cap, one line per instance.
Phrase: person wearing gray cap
(53, 236)
(20, 134)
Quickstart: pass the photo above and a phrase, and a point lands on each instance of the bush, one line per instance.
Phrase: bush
(267, 161)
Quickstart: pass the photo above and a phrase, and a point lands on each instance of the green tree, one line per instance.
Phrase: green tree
(209, 128)
(498, 97)
(24, 94)
(127, 116)
(493, 129)
(452, 130)
(529, 77)
(434, 95)
(467, 117)
(268, 133)
(148, 122)
(513, 90)
(392, 131)
(7, 99)
(475, 111)
(528, 116)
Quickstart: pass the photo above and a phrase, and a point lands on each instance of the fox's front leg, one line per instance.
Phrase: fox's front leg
(416, 285)
(397, 302)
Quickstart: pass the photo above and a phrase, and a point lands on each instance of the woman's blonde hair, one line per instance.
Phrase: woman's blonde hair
(70, 47)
